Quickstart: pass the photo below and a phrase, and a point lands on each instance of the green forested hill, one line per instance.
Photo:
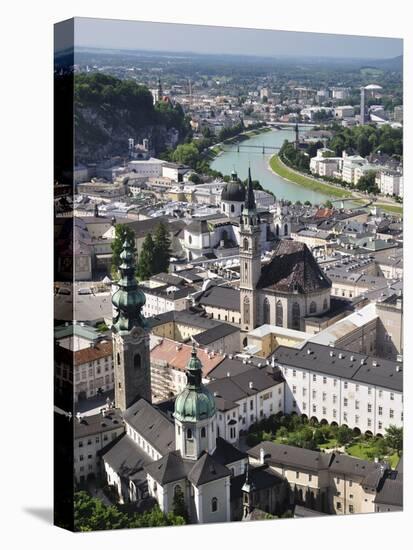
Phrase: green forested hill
(108, 111)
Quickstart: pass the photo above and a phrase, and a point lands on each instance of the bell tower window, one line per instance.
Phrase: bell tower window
(137, 361)
(189, 433)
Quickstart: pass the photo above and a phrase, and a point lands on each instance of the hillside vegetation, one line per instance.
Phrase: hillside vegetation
(108, 111)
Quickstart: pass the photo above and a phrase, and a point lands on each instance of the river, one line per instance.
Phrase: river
(282, 189)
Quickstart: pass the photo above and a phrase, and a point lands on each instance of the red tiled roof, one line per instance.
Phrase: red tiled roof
(178, 355)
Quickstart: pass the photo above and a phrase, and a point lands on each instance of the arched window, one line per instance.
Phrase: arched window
(277, 230)
(203, 432)
(189, 433)
(246, 310)
(232, 208)
(313, 307)
(279, 317)
(325, 304)
(190, 239)
(223, 206)
(137, 361)
(296, 316)
(266, 308)
(245, 244)
(177, 490)
(214, 504)
(285, 229)
(118, 358)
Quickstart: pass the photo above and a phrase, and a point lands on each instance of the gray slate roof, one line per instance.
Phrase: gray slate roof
(207, 469)
(152, 424)
(225, 297)
(127, 459)
(384, 374)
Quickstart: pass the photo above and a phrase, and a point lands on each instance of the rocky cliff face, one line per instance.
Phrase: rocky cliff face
(98, 137)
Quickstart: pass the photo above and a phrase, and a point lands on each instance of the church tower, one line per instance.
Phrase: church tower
(130, 337)
(250, 259)
(195, 414)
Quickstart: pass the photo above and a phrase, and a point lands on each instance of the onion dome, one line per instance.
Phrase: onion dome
(195, 402)
(129, 299)
(233, 191)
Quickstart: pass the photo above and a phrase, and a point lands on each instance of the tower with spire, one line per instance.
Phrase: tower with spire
(130, 336)
(250, 258)
(160, 91)
(195, 414)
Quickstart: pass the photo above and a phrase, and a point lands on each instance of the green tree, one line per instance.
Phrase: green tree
(195, 178)
(178, 506)
(162, 249)
(122, 233)
(146, 262)
(394, 438)
(364, 147)
(344, 435)
(90, 514)
(367, 182)
(186, 153)
(328, 204)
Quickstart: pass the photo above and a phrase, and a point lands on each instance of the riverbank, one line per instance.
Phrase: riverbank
(216, 149)
(278, 167)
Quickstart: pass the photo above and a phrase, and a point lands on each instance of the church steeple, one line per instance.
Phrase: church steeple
(250, 258)
(160, 91)
(129, 298)
(130, 337)
(195, 414)
(250, 198)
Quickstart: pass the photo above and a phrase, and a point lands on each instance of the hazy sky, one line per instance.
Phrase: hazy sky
(106, 33)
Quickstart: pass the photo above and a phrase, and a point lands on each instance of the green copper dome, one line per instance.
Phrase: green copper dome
(129, 299)
(195, 402)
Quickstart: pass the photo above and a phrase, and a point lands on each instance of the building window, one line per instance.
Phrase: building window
(214, 504)
(369, 407)
(314, 393)
(357, 404)
(313, 307)
(351, 509)
(392, 397)
(297, 475)
(118, 358)
(266, 307)
(294, 389)
(203, 432)
(334, 413)
(314, 377)
(338, 505)
(324, 396)
(245, 244)
(279, 316)
(189, 433)
(246, 310)
(345, 385)
(294, 373)
(334, 398)
(310, 477)
(391, 413)
(335, 382)
(380, 411)
(296, 316)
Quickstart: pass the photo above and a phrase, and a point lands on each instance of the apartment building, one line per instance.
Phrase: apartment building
(330, 482)
(92, 434)
(328, 384)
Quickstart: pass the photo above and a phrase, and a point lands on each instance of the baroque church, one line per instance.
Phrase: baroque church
(219, 235)
(285, 289)
(161, 457)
